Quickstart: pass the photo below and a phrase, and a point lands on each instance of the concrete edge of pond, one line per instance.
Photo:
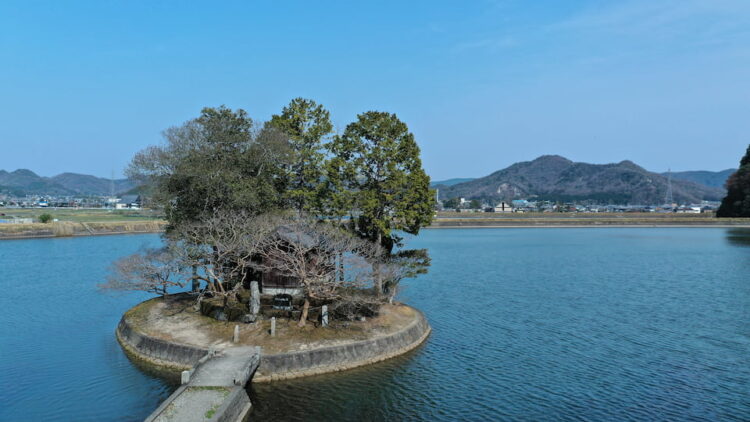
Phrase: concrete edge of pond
(175, 357)
(337, 358)
(157, 352)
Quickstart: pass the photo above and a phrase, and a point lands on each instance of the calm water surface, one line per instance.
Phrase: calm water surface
(529, 324)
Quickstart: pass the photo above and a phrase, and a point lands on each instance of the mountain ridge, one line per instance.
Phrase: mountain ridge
(715, 179)
(553, 177)
(22, 182)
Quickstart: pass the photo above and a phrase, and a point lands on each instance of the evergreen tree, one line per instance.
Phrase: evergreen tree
(213, 163)
(306, 123)
(737, 201)
(377, 163)
(452, 203)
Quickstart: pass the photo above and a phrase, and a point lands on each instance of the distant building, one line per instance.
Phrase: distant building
(503, 207)
(132, 202)
(16, 221)
(688, 210)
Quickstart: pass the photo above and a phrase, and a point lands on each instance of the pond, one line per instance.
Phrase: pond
(528, 323)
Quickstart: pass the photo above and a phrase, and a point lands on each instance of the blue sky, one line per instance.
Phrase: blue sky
(482, 84)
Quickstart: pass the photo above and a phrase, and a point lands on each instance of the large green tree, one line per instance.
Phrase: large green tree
(306, 124)
(377, 163)
(737, 201)
(216, 162)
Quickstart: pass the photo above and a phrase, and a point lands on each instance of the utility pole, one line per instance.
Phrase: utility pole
(668, 198)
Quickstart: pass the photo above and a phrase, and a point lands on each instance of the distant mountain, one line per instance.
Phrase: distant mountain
(92, 185)
(714, 179)
(451, 182)
(26, 182)
(556, 178)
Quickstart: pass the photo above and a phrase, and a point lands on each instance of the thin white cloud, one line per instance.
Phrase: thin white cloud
(721, 21)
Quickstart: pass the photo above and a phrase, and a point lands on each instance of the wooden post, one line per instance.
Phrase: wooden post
(273, 326)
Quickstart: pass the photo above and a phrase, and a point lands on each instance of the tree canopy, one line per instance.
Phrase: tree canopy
(229, 186)
(378, 165)
(737, 201)
(215, 162)
(306, 124)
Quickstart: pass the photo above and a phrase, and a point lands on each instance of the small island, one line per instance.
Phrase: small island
(282, 254)
(289, 353)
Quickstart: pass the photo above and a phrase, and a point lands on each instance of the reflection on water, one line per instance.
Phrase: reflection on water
(375, 392)
(739, 236)
(528, 324)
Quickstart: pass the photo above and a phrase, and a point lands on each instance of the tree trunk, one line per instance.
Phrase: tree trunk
(196, 281)
(305, 310)
(218, 286)
(341, 267)
(378, 277)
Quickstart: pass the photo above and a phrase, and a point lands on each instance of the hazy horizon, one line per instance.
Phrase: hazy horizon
(481, 85)
(433, 179)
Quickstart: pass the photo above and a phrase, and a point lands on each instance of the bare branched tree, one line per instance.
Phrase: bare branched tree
(152, 270)
(328, 261)
(403, 264)
(222, 246)
(325, 259)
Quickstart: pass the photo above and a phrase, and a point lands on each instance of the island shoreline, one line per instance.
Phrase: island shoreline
(171, 356)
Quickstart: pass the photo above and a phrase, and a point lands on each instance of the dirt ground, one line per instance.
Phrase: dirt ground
(176, 319)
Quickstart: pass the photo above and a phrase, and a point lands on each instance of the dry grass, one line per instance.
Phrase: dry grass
(452, 219)
(69, 228)
(177, 320)
(83, 214)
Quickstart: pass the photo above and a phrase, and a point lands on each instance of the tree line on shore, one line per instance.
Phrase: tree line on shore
(287, 195)
(737, 201)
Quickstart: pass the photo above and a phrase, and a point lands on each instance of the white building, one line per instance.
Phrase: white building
(503, 207)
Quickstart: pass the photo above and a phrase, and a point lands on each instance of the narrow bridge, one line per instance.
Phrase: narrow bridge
(214, 390)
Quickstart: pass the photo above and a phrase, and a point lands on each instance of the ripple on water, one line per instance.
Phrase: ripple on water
(610, 324)
(528, 324)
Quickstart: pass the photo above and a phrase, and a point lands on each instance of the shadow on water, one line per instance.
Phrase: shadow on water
(363, 393)
(168, 375)
(738, 236)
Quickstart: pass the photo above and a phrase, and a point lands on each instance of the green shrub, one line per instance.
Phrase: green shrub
(45, 218)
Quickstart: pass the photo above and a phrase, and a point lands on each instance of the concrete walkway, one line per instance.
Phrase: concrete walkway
(230, 367)
(215, 391)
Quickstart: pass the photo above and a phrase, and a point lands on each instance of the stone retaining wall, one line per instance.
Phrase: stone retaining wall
(235, 408)
(347, 356)
(157, 351)
(283, 365)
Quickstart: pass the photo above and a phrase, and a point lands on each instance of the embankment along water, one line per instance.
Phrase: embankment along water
(451, 220)
(278, 366)
(70, 228)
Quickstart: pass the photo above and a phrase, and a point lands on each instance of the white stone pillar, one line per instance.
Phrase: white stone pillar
(324, 315)
(254, 298)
